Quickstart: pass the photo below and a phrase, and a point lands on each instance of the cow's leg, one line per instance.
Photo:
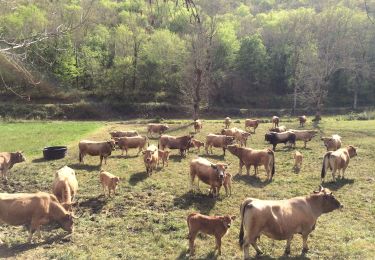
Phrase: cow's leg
(255, 246)
(334, 173)
(241, 166)
(34, 226)
(224, 151)
(305, 247)
(103, 186)
(101, 160)
(218, 244)
(288, 242)
(343, 172)
(248, 169)
(211, 150)
(192, 236)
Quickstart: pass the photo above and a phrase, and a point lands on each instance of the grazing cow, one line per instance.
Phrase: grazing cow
(197, 125)
(276, 138)
(212, 225)
(156, 128)
(298, 160)
(209, 173)
(196, 143)
(279, 129)
(124, 143)
(96, 148)
(275, 121)
(252, 123)
(172, 142)
(117, 134)
(241, 137)
(109, 182)
(229, 132)
(65, 186)
(332, 143)
(33, 210)
(163, 156)
(282, 219)
(227, 122)
(7, 160)
(150, 158)
(337, 161)
(248, 157)
(217, 141)
(302, 120)
(304, 135)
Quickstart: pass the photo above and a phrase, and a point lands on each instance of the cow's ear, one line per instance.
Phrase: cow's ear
(213, 166)
(233, 217)
(143, 152)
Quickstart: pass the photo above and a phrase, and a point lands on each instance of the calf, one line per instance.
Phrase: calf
(219, 141)
(275, 121)
(65, 186)
(252, 123)
(126, 143)
(332, 143)
(212, 225)
(302, 120)
(156, 128)
(227, 122)
(7, 160)
(197, 144)
(197, 125)
(96, 148)
(276, 138)
(227, 183)
(297, 160)
(163, 156)
(150, 159)
(109, 182)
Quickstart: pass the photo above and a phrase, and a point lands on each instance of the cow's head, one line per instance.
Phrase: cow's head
(18, 157)
(115, 181)
(229, 140)
(328, 201)
(220, 170)
(227, 220)
(112, 144)
(269, 137)
(233, 149)
(147, 155)
(164, 128)
(352, 151)
(66, 222)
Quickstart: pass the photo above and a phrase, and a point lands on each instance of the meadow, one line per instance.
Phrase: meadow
(147, 218)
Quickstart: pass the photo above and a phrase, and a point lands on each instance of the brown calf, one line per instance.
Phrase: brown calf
(227, 122)
(109, 182)
(302, 120)
(150, 159)
(197, 125)
(163, 156)
(297, 160)
(275, 121)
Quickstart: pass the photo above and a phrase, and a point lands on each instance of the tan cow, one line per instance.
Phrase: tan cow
(109, 182)
(125, 143)
(282, 219)
(197, 125)
(304, 135)
(332, 143)
(229, 131)
(156, 128)
(7, 160)
(163, 156)
(248, 157)
(175, 142)
(227, 122)
(227, 183)
(33, 210)
(218, 141)
(241, 137)
(302, 120)
(65, 186)
(337, 161)
(252, 123)
(275, 121)
(279, 129)
(197, 144)
(96, 148)
(117, 134)
(150, 158)
(298, 157)
(212, 225)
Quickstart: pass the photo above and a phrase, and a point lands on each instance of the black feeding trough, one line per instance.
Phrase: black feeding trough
(54, 152)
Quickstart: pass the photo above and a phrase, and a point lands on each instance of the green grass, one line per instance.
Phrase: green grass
(147, 219)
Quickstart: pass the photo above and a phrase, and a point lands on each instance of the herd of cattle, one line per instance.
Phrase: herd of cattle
(277, 219)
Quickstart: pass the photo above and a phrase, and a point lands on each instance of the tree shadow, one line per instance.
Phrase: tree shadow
(86, 167)
(94, 205)
(338, 184)
(203, 202)
(137, 177)
(254, 181)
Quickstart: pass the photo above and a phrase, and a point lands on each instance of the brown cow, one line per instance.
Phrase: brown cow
(172, 142)
(124, 143)
(304, 135)
(209, 173)
(212, 225)
(218, 141)
(150, 158)
(302, 120)
(297, 161)
(227, 122)
(252, 123)
(282, 219)
(7, 160)
(163, 156)
(229, 131)
(196, 143)
(33, 210)
(156, 128)
(241, 137)
(332, 143)
(117, 134)
(109, 182)
(65, 186)
(227, 183)
(279, 129)
(248, 157)
(337, 161)
(275, 121)
(96, 148)
(197, 125)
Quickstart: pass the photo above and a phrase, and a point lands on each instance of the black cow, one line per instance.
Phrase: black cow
(276, 138)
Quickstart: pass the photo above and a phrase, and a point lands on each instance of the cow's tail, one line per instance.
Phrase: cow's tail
(273, 162)
(244, 205)
(80, 157)
(325, 164)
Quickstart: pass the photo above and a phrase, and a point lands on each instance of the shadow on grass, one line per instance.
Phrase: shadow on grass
(175, 158)
(137, 177)
(254, 181)
(39, 160)
(213, 156)
(283, 257)
(119, 156)
(94, 204)
(86, 167)
(338, 184)
(203, 202)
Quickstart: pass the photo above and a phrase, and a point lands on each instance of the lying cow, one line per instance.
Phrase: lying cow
(125, 143)
(209, 173)
(7, 160)
(277, 138)
(218, 141)
(279, 129)
(337, 161)
(117, 134)
(332, 143)
(302, 120)
(282, 219)
(197, 125)
(65, 186)
(304, 135)
(227, 122)
(172, 142)
(163, 156)
(212, 225)
(33, 210)
(298, 157)
(252, 123)
(156, 128)
(275, 121)
(249, 157)
(109, 182)
(96, 148)
(150, 158)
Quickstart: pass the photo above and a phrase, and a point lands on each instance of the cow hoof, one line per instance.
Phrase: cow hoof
(305, 250)
(287, 252)
(259, 253)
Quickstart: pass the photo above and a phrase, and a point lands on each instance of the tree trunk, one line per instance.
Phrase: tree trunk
(135, 62)
(294, 100)
(197, 94)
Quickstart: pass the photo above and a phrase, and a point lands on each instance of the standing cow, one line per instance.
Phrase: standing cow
(150, 159)
(275, 121)
(332, 143)
(65, 186)
(252, 123)
(7, 160)
(182, 143)
(197, 125)
(156, 128)
(277, 138)
(218, 141)
(302, 120)
(96, 148)
(125, 143)
(227, 122)
(109, 182)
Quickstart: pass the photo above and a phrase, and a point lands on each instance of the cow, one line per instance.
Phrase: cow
(248, 157)
(252, 123)
(150, 158)
(175, 142)
(276, 138)
(163, 156)
(332, 143)
(279, 129)
(304, 135)
(337, 161)
(109, 182)
(275, 121)
(302, 120)
(209, 173)
(217, 141)
(117, 134)
(7, 160)
(196, 143)
(229, 131)
(298, 157)
(282, 219)
(124, 143)
(197, 125)
(156, 128)
(212, 225)
(96, 148)
(33, 210)
(241, 137)
(65, 187)
(227, 122)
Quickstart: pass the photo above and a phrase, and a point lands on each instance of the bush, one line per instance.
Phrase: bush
(365, 115)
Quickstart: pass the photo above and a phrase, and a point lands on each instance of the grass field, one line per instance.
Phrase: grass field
(147, 219)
